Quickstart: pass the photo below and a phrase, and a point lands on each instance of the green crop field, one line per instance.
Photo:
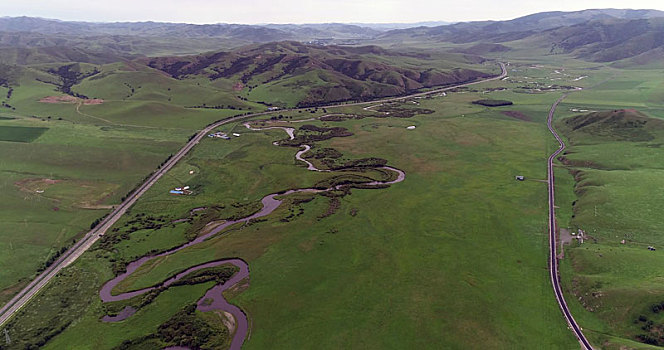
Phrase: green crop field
(20, 133)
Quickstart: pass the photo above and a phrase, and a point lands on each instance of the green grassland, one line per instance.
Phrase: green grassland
(63, 165)
(607, 185)
(20, 133)
(455, 253)
(130, 82)
(93, 154)
(288, 92)
(614, 157)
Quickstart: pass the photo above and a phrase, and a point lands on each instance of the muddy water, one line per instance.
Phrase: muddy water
(291, 135)
(270, 204)
(220, 303)
(299, 157)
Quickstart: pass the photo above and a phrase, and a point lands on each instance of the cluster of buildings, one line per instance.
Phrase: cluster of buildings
(181, 191)
(222, 135)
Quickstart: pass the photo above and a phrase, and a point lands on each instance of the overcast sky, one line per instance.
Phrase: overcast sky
(300, 11)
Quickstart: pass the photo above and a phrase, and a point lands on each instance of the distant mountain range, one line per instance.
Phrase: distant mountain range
(608, 40)
(392, 26)
(254, 33)
(312, 64)
(458, 32)
(601, 35)
(466, 32)
(605, 35)
(31, 39)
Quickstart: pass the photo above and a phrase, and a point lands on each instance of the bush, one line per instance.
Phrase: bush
(493, 103)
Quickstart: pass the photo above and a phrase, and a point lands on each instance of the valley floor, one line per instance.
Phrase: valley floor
(454, 256)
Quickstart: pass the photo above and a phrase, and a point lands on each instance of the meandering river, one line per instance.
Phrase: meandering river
(213, 298)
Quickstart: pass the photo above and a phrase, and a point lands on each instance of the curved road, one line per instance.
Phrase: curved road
(553, 257)
(73, 253)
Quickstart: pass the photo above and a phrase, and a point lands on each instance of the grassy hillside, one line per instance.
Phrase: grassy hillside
(614, 160)
(66, 164)
(290, 73)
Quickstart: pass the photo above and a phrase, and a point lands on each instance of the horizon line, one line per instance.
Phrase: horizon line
(447, 22)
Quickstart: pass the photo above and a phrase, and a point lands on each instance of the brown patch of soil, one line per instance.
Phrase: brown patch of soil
(210, 226)
(38, 186)
(70, 99)
(565, 237)
(227, 319)
(95, 206)
(59, 99)
(238, 86)
(518, 115)
(30, 185)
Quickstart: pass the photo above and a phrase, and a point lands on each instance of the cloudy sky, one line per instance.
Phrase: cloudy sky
(299, 11)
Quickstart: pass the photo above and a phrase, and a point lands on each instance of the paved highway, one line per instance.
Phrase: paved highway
(553, 258)
(73, 253)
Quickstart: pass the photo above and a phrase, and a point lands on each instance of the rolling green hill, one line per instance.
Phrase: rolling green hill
(620, 125)
(615, 161)
(308, 75)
